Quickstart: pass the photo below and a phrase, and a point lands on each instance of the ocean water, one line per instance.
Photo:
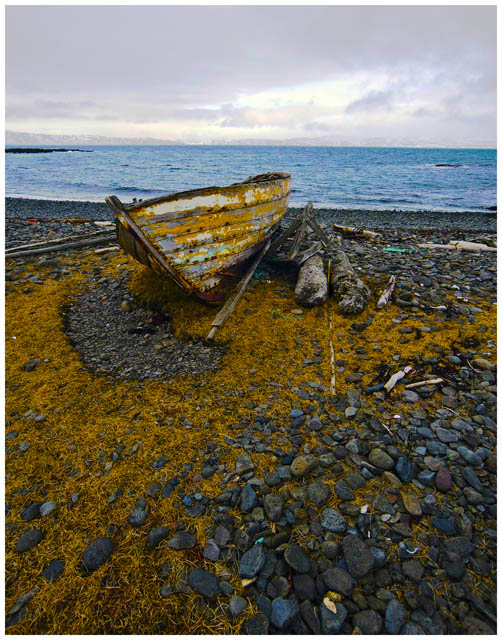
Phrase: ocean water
(335, 177)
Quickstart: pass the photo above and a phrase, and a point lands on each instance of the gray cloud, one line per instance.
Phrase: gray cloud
(168, 63)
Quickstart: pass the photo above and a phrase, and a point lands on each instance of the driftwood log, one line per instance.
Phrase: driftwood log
(111, 237)
(349, 291)
(312, 284)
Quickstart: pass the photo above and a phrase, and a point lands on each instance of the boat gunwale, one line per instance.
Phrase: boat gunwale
(276, 176)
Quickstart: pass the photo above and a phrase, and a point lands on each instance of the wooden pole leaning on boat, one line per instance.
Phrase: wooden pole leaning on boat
(231, 303)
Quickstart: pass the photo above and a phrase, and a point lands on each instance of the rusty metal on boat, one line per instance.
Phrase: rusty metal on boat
(203, 239)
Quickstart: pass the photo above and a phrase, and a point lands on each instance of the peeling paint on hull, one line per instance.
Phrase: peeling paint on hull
(202, 238)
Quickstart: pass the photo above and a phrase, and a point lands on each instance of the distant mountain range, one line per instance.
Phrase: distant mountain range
(22, 138)
(34, 139)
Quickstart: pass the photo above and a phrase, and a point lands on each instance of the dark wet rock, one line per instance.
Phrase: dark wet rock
(257, 625)
(226, 588)
(53, 570)
(284, 612)
(296, 558)
(413, 569)
(318, 492)
(443, 480)
(252, 561)
(182, 540)
(381, 459)
(237, 606)
(332, 521)
(31, 365)
(138, 515)
(370, 622)
(156, 536)
(304, 586)
(355, 480)
(395, 617)
(31, 512)
(310, 617)
(97, 553)
(469, 456)
(474, 626)
(248, 498)
(470, 476)
(331, 623)
(204, 583)
(343, 491)
(358, 556)
(211, 551)
(221, 536)
(379, 557)
(338, 580)
(444, 525)
(302, 465)
(404, 469)
(412, 629)
(28, 540)
(273, 505)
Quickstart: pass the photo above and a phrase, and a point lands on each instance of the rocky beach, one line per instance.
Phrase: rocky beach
(160, 483)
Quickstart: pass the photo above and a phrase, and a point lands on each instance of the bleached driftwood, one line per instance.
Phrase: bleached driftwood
(423, 383)
(350, 291)
(458, 245)
(393, 380)
(312, 285)
(364, 232)
(387, 292)
(62, 247)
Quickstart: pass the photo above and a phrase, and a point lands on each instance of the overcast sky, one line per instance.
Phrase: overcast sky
(221, 73)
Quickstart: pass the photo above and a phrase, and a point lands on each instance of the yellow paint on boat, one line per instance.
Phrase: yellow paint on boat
(195, 236)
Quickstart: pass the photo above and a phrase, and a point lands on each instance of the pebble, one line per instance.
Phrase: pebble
(301, 465)
(284, 612)
(97, 553)
(204, 583)
(331, 623)
(257, 625)
(318, 492)
(53, 570)
(182, 540)
(338, 580)
(395, 617)
(252, 561)
(332, 521)
(273, 505)
(358, 556)
(412, 505)
(237, 606)
(443, 480)
(380, 459)
(156, 536)
(28, 540)
(369, 622)
(296, 558)
(404, 469)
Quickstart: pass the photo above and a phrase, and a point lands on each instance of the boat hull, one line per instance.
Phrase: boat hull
(203, 239)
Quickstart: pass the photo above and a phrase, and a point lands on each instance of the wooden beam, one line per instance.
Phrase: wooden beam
(231, 303)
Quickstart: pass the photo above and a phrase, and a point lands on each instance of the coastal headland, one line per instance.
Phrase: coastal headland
(158, 483)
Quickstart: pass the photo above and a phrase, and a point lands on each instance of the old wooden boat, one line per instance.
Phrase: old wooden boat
(203, 239)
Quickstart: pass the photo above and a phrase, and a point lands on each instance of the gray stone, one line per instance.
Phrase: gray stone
(331, 623)
(343, 491)
(296, 558)
(237, 606)
(204, 583)
(211, 551)
(301, 465)
(284, 612)
(273, 503)
(97, 553)
(31, 512)
(252, 561)
(304, 586)
(156, 536)
(53, 570)
(410, 396)
(318, 492)
(358, 556)
(182, 540)
(28, 540)
(381, 459)
(370, 622)
(413, 569)
(332, 521)
(257, 625)
(395, 617)
(248, 498)
(338, 580)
